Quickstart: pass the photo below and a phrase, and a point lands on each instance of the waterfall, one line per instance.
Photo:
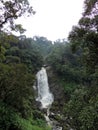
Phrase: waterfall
(44, 94)
(45, 97)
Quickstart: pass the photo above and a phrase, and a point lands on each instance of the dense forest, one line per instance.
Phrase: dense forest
(74, 67)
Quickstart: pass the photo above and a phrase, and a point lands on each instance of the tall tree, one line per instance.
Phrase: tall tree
(91, 7)
(11, 10)
(85, 35)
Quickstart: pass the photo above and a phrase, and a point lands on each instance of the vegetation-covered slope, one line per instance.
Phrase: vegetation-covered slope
(74, 66)
(20, 60)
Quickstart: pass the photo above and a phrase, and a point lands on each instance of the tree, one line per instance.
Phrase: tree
(26, 52)
(64, 62)
(43, 44)
(81, 111)
(91, 7)
(85, 35)
(11, 10)
(16, 87)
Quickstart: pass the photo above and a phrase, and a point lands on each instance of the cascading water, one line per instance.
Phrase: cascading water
(45, 97)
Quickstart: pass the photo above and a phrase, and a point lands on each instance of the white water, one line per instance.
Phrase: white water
(44, 94)
(45, 97)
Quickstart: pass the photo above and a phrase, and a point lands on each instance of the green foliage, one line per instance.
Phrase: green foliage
(16, 87)
(90, 7)
(87, 118)
(43, 45)
(11, 10)
(65, 63)
(69, 88)
(12, 59)
(10, 119)
(22, 59)
(81, 110)
(14, 51)
(85, 36)
(24, 51)
(2, 53)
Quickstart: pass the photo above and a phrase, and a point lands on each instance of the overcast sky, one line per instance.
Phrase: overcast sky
(53, 19)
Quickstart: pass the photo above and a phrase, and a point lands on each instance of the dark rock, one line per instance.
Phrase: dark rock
(44, 110)
(38, 104)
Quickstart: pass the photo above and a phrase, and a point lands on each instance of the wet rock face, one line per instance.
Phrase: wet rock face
(57, 90)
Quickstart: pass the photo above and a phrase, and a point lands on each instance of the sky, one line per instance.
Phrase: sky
(53, 19)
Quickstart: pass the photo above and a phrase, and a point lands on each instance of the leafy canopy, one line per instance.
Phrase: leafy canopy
(11, 10)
